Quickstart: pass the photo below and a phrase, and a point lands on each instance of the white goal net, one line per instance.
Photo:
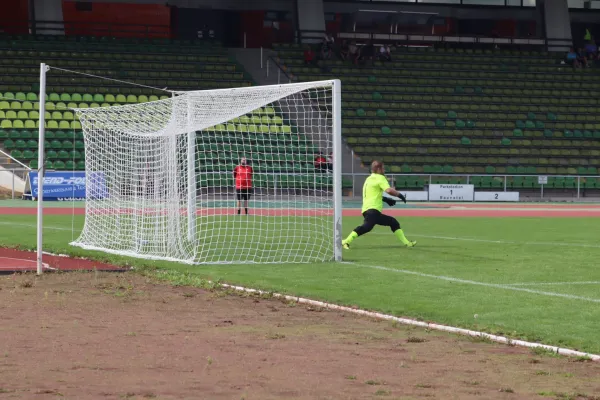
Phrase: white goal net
(171, 179)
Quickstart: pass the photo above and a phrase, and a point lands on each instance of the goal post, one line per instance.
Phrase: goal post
(160, 176)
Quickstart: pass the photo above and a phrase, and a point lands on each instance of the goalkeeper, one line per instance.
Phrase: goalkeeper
(243, 183)
(373, 200)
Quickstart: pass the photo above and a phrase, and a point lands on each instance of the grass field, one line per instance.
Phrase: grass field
(532, 278)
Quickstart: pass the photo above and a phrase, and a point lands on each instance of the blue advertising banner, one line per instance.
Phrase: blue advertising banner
(66, 186)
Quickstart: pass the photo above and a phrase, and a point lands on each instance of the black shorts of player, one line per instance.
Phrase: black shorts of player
(244, 194)
(374, 217)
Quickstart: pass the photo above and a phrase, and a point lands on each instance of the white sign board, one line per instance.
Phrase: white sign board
(451, 192)
(496, 196)
(542, 180)
(416, 195)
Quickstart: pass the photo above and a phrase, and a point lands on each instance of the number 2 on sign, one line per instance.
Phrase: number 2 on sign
(496, 196)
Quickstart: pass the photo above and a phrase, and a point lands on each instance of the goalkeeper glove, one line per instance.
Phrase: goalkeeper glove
(390, 202)
(402, 197)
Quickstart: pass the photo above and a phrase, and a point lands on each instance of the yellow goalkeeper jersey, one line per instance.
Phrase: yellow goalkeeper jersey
(373, 190)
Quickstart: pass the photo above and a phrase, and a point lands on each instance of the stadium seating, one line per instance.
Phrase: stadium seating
(467, 111)
(180, 65)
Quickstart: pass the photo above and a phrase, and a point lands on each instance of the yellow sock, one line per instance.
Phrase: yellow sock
(353, 235)
(400, 235)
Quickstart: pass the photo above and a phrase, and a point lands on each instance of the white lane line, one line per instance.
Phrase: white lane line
(56, 228)
(477, 283)
(553, 283)
(466, 239)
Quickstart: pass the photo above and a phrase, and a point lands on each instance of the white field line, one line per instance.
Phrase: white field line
(413, 322)
(467, 239)
(56, 228)
(427, 325)
(553, 283)
(477, 283)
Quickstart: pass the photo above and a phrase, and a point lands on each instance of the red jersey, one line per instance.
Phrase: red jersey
(243, 176)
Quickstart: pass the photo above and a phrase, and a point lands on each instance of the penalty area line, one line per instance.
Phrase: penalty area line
(413, 322)
(466, 239)
(477, 283)
(553, 283)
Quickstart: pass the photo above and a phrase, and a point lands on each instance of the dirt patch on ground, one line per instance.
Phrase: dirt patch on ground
(6, 194)
(113, 336)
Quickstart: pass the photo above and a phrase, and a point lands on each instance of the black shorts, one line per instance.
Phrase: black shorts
(243, 194)
(374, 217)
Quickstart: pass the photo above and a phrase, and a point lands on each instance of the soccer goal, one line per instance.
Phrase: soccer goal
(160, 176)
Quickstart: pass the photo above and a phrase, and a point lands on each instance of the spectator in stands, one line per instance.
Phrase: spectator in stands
(327, 46)
(384, 53)
(344, 50)
(367, 52)
(353, 53)
(591, 50)
(320, 163)
(572, 58)
(582, 58)
(330, 162)
(309, 56)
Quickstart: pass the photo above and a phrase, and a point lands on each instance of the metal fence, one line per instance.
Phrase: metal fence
(538, 186)
(574, 186)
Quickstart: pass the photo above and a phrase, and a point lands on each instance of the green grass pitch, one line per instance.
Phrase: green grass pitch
(536, 279)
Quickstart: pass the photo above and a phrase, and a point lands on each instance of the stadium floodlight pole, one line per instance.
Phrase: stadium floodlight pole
(191, 171)
(41, 165)
(337, 169)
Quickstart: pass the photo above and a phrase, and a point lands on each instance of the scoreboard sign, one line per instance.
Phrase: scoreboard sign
(451, 192)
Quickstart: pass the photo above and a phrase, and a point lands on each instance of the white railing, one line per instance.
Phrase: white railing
(578, 191)
(15, 160)
(16, 172)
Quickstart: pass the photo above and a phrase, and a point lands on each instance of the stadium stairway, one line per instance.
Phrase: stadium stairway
(250, 60)
(473, 112)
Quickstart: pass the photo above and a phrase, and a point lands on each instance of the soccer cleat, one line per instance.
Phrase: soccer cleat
(411, 243)
(345, 245)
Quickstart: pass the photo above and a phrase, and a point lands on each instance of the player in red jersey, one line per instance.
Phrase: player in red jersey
(243, 183)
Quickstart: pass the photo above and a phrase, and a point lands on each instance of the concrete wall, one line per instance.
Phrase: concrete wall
(558, 23)
(49, 10)
(311, 15)
(6, 181)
